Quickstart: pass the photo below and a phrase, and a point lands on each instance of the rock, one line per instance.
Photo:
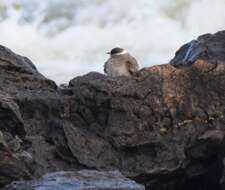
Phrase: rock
(4, 146)
(188, 53)
(94, 151)
(205, 157)
(208, 145)
(11, 62)
(147, 121)
(15, 144)
(31, 92)
(11, 168)
(31, 109)
(207, 47)
(80, 180)
(10, 116)
(163, 127)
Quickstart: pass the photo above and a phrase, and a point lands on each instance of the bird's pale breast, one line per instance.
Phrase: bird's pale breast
(117, 67)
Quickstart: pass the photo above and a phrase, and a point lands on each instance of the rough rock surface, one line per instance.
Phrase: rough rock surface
(164, 127)
(209, 47)
(81, 180)
(30, 110)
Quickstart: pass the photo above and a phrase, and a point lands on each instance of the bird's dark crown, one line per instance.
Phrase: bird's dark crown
(116, 50)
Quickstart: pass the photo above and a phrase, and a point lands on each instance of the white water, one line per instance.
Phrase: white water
(66, 38)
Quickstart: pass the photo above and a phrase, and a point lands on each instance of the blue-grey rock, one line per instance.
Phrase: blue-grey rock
(210, 47)
(81, 180)
(188, 53)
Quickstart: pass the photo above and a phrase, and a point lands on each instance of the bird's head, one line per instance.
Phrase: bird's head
(117, 51)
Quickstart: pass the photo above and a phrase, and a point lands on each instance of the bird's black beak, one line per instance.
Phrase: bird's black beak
(108, 53)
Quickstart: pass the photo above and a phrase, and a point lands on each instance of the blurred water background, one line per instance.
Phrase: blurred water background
(67, 38)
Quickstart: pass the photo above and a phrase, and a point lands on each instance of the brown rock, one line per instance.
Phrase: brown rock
(163, 127)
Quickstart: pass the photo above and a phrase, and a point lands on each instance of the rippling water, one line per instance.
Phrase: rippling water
(66, 38)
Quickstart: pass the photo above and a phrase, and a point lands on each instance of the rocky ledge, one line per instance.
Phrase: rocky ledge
(81, 180)
(163, 128)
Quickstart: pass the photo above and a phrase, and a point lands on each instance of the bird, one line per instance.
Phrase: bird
(120, 63)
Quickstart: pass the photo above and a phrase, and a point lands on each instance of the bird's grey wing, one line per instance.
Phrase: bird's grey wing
(106, 67)
(132, 65)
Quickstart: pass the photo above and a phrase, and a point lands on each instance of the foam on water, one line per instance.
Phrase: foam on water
(69, 38)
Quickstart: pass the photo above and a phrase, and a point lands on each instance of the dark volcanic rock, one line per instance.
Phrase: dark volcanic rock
(149, 121)
(81, 180)
(164, 127)
(31, 110)
(10, 116)
(11, 167)
(146, 123)
(188, 53)
(207, 47)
